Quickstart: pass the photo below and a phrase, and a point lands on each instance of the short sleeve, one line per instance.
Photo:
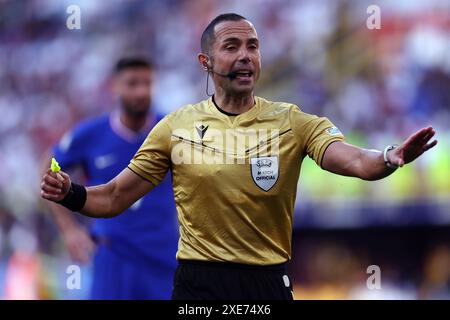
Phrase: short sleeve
(314, 134)
(152, 160)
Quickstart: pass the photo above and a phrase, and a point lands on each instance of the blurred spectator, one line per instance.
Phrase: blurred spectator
(436, 282)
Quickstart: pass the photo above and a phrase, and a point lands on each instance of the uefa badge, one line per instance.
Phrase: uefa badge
(264, 171)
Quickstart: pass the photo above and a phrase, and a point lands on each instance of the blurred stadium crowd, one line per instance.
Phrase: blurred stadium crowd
(378, 86)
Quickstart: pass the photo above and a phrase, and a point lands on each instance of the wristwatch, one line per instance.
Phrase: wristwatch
(386, 161)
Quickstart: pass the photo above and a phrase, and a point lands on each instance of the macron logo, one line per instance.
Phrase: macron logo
(201, 130)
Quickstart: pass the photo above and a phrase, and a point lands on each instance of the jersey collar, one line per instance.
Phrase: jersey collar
(127, 134)
(249, 114)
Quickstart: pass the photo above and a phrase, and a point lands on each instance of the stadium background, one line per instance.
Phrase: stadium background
(378, 86)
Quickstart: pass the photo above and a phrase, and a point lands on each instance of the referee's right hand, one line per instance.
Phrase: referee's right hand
(55, 185)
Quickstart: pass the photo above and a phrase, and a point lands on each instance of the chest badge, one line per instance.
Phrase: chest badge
(264, 171)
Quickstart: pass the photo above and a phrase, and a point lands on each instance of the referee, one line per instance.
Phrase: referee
(235, 204)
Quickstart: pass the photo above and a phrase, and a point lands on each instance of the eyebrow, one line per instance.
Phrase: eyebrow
(234, 39)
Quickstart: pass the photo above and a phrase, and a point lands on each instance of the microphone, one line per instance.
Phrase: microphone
(230, 75)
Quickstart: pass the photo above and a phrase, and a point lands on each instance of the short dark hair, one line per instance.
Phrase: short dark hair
(208, 36)
(133, 62)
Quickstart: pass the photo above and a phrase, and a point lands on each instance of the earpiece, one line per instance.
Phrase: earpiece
(206, 64)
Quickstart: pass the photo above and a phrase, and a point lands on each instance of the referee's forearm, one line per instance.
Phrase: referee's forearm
(372, 166)
(101, 202)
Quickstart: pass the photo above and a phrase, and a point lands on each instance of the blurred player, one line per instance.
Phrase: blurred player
(133, 254)
(235, 217)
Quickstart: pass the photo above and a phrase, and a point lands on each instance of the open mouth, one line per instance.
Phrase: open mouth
(243, 74)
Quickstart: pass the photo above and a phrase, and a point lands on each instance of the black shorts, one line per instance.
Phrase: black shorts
(198, 280)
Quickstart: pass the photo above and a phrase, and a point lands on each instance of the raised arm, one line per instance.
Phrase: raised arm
(348, 160)
(102, 201)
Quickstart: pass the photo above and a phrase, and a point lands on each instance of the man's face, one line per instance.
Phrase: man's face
(134, 87)
(236, 49)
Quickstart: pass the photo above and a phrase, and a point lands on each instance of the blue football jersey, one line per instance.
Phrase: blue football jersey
(148, 231)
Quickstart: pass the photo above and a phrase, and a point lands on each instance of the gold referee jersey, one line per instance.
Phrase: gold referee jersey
(234, 178)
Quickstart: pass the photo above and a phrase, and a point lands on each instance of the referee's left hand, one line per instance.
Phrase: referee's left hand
(413, 147)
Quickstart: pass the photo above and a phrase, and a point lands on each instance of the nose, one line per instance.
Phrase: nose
(142, 90)
(244, 55)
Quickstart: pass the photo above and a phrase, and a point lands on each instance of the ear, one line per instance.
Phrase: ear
(203, 59)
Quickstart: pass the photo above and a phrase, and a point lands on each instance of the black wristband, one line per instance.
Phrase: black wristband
(75, 199)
